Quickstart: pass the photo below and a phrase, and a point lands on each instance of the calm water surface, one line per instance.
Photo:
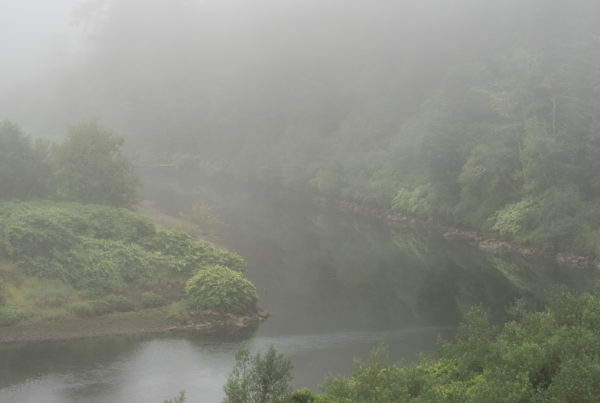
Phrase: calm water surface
(337, 285)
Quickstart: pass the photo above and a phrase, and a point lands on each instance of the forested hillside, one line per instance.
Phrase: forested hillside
(479, 114)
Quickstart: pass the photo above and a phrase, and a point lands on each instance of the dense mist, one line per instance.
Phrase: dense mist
(382, 167)
(467, 111)
(183, 73)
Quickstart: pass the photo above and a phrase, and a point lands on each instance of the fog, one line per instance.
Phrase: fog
(382, 166)
(351, 98)
(37, 36)
(146, 68)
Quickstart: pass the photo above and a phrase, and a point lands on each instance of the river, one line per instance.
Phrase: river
(336, 284)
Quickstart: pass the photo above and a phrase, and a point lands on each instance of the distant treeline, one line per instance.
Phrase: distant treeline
(509, 144)
(480, 114)
(87, 167)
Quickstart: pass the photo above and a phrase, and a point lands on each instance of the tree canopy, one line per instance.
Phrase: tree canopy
(92, 169)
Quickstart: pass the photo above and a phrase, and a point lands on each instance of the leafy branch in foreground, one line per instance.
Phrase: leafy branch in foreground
(257, 379)
(177, 399)
(548, 356)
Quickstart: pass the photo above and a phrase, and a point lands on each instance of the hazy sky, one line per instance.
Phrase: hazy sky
(35, 35)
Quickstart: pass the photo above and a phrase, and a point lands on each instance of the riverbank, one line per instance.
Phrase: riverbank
(483, 241)
(147, 321)
(112, 271)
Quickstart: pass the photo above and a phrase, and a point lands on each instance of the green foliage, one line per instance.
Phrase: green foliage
(415, 201)
(539, 158)
(112, 303)
(300, 396)
(91, 168)
(505, 142)
(514, 218)
(2, 293)
(543, 356)
(184, 254)
(220, 289)
(178, 399)
(50, 293)
(81, 309)
(202, 217)
(501, 121)
(152, 300)
(555, 219)
(25, 168)
(98, 250)
(88, 167)
(10, 316)
(256, 379)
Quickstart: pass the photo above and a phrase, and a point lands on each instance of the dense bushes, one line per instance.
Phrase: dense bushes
(89, 247)
(10, 316)
(220, 289)
(99, 248)
(536, 357)
(100, 256)
(184, 254)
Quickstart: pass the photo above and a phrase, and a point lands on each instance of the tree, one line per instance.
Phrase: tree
(24, 167)
(255, 379)
(91, 168)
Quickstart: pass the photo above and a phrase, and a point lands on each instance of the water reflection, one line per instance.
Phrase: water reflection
(157, 367)
(336, 284)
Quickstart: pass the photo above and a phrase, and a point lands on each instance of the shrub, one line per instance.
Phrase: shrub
(554, 219)
(10, 316)
(49, 293)
(183, 254)
(152, 300)
(104, 265)
(536, 357)
(90, 247)
(29, 231)
(300, 396)
(112, 303)
(221, 289)
(81, 309)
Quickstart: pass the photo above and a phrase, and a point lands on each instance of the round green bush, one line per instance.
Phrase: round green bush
(220, 289)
